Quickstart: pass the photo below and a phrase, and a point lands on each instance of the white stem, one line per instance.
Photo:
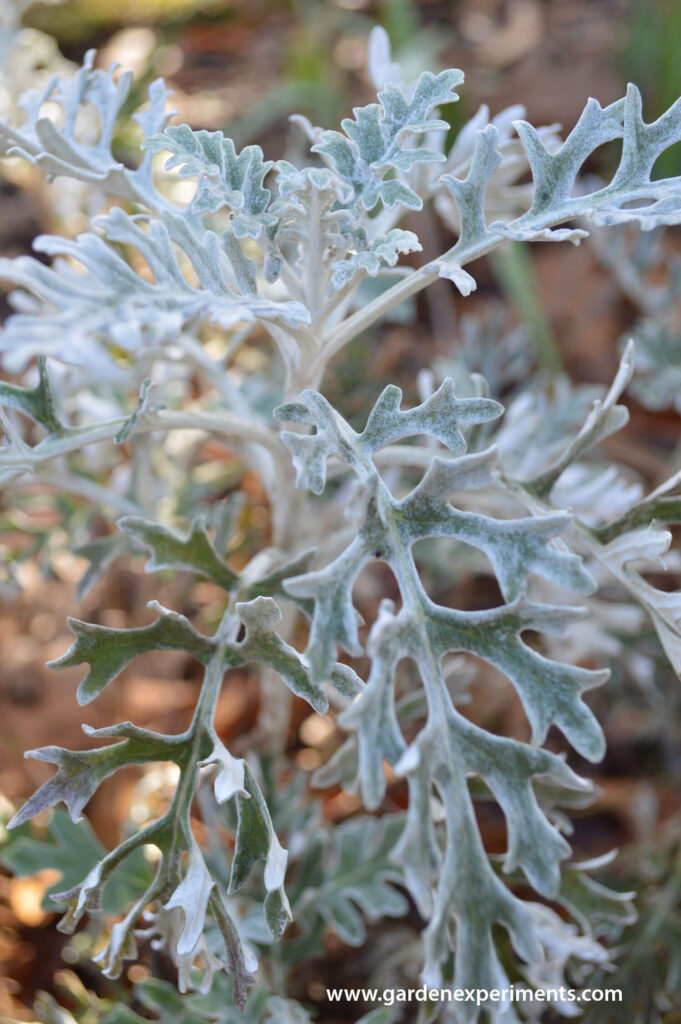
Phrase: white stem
(88, 489)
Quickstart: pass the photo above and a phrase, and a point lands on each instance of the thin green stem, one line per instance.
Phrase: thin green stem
(197, 734)
(666, 509)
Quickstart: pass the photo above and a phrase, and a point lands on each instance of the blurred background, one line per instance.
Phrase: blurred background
(244, 67)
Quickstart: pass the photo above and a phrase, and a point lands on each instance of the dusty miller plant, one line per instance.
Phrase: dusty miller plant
(200, 248)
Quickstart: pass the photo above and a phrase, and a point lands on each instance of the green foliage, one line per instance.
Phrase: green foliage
(173, 282)
(348, 884)
(373, 140)
(448, 747)
(71, 848)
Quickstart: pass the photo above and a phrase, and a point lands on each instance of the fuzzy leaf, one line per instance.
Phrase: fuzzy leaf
(62, 149)
(108, 651)
(470, 193)
(170, 550)
(439, 417)
(657, 202)
(66, 847)
(225, 177)
(191, 898)
(38, 403)
(448, 749)
(359, 880)
(334, 614)
(605, 418)
(81, 771)
(110, 300)
(559, 196)
(374, 141)
(262, 644)
(375, 717)
(549, 690)
(122, 945)
(383, 251)
(256, 839)
(515, 547)
(230, 777)
(622, 556)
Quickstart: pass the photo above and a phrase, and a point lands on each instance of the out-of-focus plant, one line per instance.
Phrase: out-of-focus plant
(647, 268)
(79, 20)
(26, 55)
(649, 56)
(211, 301)
(648, 970)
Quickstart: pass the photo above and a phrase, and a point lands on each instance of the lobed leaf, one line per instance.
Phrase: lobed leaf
(225, 177)
(109, 300)
(169, 550)
(360, 878)
(375, 140)
(456, 883)
(81, 771)
(383, 251)
(108, 650)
